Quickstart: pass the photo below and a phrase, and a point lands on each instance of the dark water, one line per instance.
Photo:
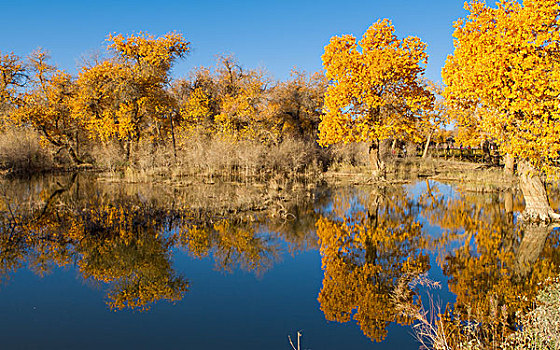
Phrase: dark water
(86, 263)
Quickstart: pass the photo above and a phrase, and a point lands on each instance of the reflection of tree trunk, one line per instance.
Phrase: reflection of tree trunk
(55, 194)
(377, 165)
(508, 201)
(509, 162)
(425, 154)
(537, 207)
(531, 246)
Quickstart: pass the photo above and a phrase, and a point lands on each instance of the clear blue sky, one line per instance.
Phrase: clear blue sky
(276, 35)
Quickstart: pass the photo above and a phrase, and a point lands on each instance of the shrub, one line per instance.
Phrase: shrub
(21, 151)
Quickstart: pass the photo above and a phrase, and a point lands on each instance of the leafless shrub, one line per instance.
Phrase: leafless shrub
(21, 151)
(351, 154)
(109, 156)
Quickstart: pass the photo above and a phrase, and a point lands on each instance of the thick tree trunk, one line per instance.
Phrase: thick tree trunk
(509, 163)
(377, 165)
(531, 246)
(425, 154)
(74, 157)
(537, 207)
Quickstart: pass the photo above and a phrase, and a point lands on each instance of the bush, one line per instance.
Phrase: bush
(21, 151)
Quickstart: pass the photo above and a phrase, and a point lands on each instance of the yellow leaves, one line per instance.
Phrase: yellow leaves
(375, 93)
(504, 68)
(145, 48)
(118, 97)
(196, 108)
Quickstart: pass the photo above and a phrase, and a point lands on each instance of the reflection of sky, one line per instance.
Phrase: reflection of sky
(220, 311)
(237, 310)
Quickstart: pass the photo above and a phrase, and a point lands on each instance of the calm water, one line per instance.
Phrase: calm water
(85, 263)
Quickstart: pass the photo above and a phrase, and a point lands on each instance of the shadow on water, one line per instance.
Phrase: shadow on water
(377, 245)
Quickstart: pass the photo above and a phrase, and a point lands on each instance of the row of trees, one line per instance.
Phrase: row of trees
(130, 97)
(502, 86)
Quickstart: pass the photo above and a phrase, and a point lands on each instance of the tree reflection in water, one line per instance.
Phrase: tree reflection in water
(125, 240)
(495, 264)
(366, 249)
(373, 243)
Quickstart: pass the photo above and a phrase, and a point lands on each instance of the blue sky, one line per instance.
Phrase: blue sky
(275, 35)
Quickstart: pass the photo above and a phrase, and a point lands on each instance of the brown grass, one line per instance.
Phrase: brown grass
(20, 152)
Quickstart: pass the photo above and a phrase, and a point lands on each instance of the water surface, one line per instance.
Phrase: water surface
(86, 263)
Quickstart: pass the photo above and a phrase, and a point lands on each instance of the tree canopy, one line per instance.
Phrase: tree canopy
(375, 89)
(504, 71)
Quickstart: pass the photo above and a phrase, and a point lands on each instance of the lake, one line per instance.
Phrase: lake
(89, 263)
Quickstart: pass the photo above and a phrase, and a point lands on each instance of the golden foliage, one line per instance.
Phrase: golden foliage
(124, 98)
(365, 254)
(503, 77)
(375, 91)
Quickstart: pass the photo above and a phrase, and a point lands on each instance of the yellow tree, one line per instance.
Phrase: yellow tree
(296, 104)
(505, 71)
(197, 100)
(242, 102)
(124, 98)
(375, 89)
(13, 76)
(46, 107)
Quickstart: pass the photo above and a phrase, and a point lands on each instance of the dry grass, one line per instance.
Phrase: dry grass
(538, 329)
(20, 152)
(219, 158)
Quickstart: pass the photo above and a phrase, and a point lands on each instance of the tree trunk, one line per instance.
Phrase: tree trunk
(537, 207)
(173, 137)
(74, 156)
(531, 246)
(377, 165)
(509, 163)
(393, 145)
(425, 154)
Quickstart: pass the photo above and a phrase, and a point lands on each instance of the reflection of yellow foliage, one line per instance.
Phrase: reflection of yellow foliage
(364, 255)
(231, 242)
(495, 266)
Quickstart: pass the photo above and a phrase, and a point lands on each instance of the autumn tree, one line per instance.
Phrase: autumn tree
(124, 98)
(46, 106)
(13, 77)
(197, 100)
(375, 89)
(505, 71)
(297, 104)
(242, 100)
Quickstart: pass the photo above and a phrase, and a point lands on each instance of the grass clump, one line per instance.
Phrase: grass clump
(21, 152)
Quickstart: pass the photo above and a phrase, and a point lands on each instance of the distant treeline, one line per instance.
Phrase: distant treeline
(125, 111)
